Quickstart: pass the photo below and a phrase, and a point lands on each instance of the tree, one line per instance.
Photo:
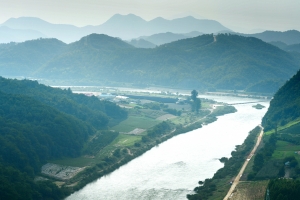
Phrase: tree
(196, 104)
(258, 162)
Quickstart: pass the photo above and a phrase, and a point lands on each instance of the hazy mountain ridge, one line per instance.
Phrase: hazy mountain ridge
(22, 59)
(288, 37)
(133, 26)
(273, 37)
(64, 32)
(8, 35)
(163, 38)
(283, 46)
(141, 43)
(223, 62)
(122, 26)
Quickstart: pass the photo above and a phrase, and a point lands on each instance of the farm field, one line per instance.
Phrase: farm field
(133, 122)
(250, 190)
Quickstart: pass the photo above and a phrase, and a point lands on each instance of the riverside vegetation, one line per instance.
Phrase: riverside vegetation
(40, 124)
(273, 172)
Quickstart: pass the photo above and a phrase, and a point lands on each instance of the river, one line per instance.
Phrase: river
(173, 169)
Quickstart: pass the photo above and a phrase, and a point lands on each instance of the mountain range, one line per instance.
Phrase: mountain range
(130, 27)
(287, 40)
(288, 37)
(284, 46)
(219, 62)
(122, 26)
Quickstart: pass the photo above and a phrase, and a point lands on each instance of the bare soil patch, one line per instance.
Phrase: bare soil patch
(165, 117)
(250, 190)
(60, 172)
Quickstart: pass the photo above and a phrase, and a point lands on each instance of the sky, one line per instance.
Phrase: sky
(238, 15)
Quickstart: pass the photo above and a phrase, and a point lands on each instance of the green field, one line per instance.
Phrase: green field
(126, 140)
(287, 126)
(250, 190)
(152, 113)
(121, 141)
(285, 149)
(133, 122)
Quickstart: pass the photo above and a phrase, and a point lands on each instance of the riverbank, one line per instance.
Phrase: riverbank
(237, 179)
(72, 174)
(129, 153)
(172, 169)
(218, 186)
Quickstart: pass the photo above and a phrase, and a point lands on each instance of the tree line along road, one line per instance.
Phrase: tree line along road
(237, 178)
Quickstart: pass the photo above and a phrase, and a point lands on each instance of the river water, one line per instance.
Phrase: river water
(173, 169)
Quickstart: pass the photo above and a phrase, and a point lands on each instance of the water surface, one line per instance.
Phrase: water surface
(173, 169)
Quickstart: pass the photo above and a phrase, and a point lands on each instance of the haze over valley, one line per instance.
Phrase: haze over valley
(175, 100)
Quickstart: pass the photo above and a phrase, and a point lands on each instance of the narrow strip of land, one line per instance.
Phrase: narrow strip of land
(237, 178)
(245, 103)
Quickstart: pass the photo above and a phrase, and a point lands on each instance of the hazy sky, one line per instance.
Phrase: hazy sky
(235, 14)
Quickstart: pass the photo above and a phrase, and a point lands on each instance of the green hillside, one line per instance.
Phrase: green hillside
(285, 106)
(22, 59)
(223, 62)
(289, 37)
(89, 109)
(39, 123)
(279, 155)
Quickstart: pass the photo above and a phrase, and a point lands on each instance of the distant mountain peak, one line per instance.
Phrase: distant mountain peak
(25, 19)
(102, 41)
(187, 17)
(119, 17)
(158, 18)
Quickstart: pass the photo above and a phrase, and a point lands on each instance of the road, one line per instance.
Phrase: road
(237, 179)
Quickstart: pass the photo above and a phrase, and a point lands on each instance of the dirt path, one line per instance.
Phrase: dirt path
(237, 179)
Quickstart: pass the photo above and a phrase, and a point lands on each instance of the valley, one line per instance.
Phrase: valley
(152, 105)
(137, 174)
(133, 133)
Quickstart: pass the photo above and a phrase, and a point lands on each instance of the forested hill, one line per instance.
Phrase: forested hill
(22, 59)
(89, 109)
(288, 37)
(220, 62)
(285, 106)
(38, 123)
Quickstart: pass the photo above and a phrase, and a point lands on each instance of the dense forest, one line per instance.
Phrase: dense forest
(285, 106)
(283, 189)
(223, 61)
(38, 123)
(89, 109)
(22, 59)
